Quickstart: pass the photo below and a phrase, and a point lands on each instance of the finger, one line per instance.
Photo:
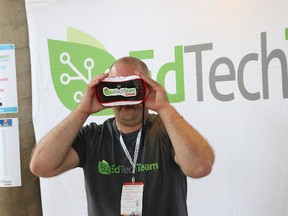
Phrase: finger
(101, 76)
(97, 79)
(149, 80)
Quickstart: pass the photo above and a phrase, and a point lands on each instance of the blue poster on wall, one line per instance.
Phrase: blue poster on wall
(8, 85)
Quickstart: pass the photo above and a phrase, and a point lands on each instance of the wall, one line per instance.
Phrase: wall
(23, 200)
(221, 58)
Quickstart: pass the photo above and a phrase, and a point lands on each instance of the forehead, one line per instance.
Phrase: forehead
(123, 69)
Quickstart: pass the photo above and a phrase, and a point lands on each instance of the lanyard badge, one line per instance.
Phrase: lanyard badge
(132, 198)
(132, 192)
(134, 161)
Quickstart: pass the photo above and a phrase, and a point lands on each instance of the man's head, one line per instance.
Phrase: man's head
(128, 116)
(127, 66)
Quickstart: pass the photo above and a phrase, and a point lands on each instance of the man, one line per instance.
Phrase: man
(170, 151)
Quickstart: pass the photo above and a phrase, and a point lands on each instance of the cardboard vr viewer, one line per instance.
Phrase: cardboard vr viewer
(115, 91)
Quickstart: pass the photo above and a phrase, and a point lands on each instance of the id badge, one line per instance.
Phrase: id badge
(132, 198)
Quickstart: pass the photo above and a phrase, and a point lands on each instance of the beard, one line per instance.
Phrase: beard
(129, 115)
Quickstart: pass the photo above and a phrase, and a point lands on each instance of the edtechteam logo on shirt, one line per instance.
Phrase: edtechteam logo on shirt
(106, 169)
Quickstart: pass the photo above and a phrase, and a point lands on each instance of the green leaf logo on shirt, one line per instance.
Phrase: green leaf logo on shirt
(73, 64)
(104, 168)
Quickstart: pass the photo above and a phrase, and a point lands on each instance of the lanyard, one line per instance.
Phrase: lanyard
(132, 162)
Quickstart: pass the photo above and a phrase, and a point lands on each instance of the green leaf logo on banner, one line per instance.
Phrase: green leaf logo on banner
(104, 168)
(73, 65)
(77, 36)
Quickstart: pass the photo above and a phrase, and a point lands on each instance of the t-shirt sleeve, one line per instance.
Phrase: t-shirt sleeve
(165, 137)
(83, 139)
(79, 146)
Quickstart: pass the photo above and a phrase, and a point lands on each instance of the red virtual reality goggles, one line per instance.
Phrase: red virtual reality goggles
(114, 91)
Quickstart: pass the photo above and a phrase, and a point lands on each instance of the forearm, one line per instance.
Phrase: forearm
(53, 154)
(52, 149)
(193, 154)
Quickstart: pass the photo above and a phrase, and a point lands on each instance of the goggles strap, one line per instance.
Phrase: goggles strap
(143, 123)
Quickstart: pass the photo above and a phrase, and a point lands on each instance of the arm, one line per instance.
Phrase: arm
(192, 152)
(54, 154)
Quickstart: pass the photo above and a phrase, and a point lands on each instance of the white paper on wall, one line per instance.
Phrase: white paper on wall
(10, 169)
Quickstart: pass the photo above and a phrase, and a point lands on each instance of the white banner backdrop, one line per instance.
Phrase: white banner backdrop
(224, 65)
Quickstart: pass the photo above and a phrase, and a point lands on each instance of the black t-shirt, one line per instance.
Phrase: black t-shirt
(106, 168)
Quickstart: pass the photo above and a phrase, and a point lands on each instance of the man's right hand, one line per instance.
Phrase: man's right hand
(89, 103)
